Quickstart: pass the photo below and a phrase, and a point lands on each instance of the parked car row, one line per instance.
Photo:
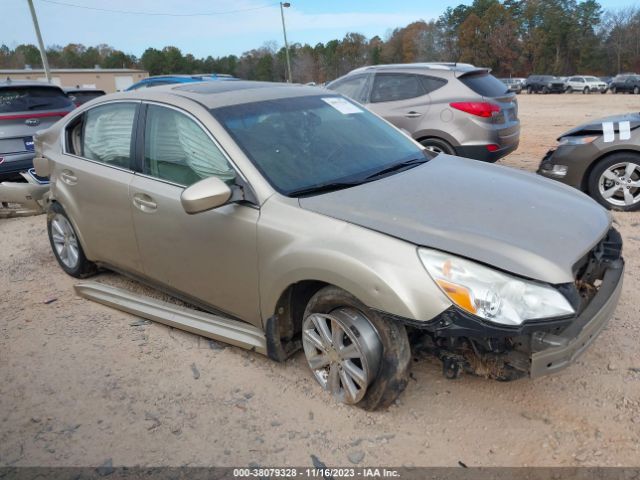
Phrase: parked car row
(623, 83)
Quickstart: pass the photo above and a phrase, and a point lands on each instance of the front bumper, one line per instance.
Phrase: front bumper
(576, 159)
(536, 347)
(575, 339)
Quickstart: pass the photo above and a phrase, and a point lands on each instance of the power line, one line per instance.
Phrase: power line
(130, 12)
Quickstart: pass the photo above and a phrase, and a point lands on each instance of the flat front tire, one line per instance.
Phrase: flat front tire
(354, 353)
(66, 244)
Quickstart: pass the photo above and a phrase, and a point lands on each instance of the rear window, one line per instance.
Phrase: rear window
(24, 99)
(83, 97)
(484, 84)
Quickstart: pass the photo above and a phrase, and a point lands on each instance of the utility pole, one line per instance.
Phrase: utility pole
(43, 54)
(284, 31)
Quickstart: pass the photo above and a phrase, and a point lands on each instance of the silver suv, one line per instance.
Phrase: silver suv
(25, 108)
(585, 85)
(451, 108)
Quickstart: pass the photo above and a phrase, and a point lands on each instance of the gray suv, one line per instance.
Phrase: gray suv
(25, 108)
(450, 108)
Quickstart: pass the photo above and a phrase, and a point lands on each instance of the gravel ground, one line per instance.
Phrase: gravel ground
(83, 385)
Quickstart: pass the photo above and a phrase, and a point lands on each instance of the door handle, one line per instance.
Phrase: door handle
(144, 203)
(68, 177)
(412, 114)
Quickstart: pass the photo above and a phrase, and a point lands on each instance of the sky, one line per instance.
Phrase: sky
(235, 27)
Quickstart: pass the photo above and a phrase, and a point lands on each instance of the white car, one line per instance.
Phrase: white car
(585, 85)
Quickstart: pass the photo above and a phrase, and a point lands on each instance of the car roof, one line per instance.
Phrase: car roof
(27, 83)
(221, 94)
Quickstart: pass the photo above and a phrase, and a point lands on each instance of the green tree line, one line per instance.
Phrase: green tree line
(512, 37)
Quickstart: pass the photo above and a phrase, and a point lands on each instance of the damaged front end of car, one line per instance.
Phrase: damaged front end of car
(467, 343)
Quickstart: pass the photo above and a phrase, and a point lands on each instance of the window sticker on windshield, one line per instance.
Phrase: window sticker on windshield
(342, 105)
(625, 130)
(607, 130)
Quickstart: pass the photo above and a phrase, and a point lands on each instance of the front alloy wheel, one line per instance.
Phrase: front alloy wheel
(354, 352)
(343, 351)
(615, 182)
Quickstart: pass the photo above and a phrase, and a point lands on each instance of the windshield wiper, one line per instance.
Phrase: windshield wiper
(327, 187)
(414, 162)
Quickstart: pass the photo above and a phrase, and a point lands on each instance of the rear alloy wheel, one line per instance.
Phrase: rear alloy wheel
(437, 146)
(66, 245)
(636, 90)
(356, 355)
(615, 182)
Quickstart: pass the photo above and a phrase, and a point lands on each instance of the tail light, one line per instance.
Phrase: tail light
(480, 109)
(492, 147)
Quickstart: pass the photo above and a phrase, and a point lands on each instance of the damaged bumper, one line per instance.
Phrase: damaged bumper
(465, 342)
(558, 351)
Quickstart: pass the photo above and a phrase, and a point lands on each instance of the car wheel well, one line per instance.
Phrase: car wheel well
(587, 173)
(283, 328)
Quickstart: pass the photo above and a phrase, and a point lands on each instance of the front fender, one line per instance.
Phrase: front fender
(383, 272)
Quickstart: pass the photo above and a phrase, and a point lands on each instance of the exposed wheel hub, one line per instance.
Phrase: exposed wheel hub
(343, 351)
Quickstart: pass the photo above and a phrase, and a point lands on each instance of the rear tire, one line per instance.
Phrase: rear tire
(371, 339)
(636, 90)
(613, 180)
(437, 146)
(529, 90)
(66, 244)
(614, 90)
(586, 91)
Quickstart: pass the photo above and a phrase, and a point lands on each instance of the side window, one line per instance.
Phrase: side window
(430, 84)
(351, 87)
(105, 134)
(390, 87)
(178, 150)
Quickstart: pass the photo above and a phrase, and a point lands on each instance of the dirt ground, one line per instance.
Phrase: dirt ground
(83, 385)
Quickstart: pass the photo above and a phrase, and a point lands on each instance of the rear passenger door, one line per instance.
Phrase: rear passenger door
(400, 98)
(91, 180)
(209, 257)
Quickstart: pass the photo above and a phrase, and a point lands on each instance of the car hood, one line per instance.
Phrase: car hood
(595, 126)
(510, 219)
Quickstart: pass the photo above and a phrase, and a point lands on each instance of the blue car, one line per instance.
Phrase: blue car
(169, 79)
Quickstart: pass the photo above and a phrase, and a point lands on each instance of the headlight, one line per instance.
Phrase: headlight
(491, 294)
(577, 140)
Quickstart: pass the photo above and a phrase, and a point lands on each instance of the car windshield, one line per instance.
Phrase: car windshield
(32, 98)
(306, 145)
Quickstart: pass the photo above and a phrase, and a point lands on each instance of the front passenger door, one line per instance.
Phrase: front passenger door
(209, 257)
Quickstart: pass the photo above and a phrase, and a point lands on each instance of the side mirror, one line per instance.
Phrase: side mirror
(204, 195)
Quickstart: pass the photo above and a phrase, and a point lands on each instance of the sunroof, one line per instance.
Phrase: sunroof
(219, 86)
